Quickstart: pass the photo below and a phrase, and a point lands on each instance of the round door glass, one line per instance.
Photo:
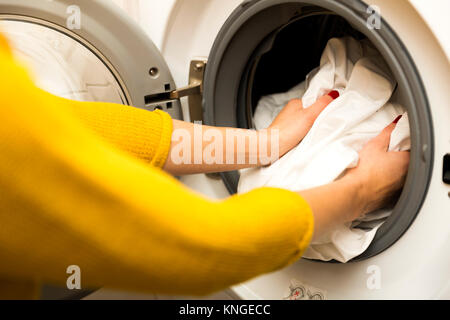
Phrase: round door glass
(61, 65)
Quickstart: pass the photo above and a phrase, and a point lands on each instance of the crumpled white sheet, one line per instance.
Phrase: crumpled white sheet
(362, 111)
(60, 64)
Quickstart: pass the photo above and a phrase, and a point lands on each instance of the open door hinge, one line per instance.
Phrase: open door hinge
(193, 91)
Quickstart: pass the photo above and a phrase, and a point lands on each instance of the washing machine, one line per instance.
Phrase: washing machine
(212, 60)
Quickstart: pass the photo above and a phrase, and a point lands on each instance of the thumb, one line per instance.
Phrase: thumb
(323, 102)
(384, 138)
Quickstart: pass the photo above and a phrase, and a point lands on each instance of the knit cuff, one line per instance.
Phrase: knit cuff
(162, 151)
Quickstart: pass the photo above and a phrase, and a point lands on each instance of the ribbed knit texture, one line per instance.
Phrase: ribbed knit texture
(145, 137)
(74, 190)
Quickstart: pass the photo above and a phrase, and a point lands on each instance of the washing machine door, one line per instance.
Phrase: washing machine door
(89, 50)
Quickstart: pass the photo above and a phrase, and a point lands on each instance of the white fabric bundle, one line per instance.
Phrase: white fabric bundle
(362, 111)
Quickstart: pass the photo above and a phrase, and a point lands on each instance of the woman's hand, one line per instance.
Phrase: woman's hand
(370, 186)
(294, 122)
(381, 173)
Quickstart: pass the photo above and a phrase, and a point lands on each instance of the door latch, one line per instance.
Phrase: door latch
(193, 91)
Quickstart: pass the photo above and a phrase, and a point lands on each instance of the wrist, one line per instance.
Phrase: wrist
(279, 139)
(359, 191)
(271, 146)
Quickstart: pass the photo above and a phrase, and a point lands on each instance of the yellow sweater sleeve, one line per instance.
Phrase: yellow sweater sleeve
(68, 197)
(143, 134)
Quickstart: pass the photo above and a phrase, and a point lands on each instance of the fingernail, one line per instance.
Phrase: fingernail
(397, 119)
(334, 94)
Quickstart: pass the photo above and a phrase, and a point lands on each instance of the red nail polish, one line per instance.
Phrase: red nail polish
(334, 94)
(397, 119)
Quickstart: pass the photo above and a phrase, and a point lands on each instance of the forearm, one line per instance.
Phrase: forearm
(330, 201)
(203, 149)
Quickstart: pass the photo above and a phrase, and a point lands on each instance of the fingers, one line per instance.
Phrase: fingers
(384, 138)
(322, 103)
(401, 159)
(295, 103)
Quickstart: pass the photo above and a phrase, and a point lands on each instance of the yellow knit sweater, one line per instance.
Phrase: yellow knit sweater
(81, 184)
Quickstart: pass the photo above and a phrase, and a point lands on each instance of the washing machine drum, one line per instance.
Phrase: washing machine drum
(265, 46)
(269, 46)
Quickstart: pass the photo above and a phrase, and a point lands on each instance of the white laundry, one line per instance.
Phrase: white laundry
(362, 111)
